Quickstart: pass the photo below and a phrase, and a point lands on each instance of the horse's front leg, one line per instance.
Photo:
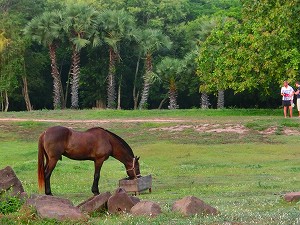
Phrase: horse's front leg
(98, 165)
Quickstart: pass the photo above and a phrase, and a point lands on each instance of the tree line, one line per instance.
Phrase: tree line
(138, 54)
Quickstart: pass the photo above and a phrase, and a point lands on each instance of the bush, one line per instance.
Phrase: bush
(9, 204)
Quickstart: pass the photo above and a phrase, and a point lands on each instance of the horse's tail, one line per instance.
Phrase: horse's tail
(41, 166)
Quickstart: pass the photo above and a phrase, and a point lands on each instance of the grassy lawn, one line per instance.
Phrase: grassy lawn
(243, 174)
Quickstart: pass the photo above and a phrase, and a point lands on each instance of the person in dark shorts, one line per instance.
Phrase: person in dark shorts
(287, 93)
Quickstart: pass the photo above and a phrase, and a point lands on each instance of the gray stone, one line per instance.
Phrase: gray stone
(119, 202)
(10, 183)
(191, 205)
(55, 208)
(292, 196)
(95, 203)
(146, 208)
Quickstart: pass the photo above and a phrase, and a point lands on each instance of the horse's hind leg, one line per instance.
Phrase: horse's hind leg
(49, 168)
(98, 165)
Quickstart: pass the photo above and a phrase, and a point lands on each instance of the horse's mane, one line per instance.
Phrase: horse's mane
(121, 140)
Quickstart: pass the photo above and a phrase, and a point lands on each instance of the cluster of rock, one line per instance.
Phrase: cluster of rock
(117, 203)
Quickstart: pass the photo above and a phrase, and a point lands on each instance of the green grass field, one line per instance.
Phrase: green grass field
(243, 174)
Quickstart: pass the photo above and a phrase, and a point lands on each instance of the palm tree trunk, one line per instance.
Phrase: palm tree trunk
(75, 72)
(57, 85)
(134, 94)
(119, 94)
(111, 83)
(173, 95)
(146, 88)
(204, 100)
(221, 99)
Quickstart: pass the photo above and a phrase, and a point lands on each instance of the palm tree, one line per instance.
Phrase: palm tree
(80, 27)
(47, 30)
(115, 25)
(150, 41)
(169, 70)
(190, 68)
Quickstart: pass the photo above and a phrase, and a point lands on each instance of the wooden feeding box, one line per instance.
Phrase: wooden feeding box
(136, 185)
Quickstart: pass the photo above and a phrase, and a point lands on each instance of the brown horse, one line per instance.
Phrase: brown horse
(95, 144)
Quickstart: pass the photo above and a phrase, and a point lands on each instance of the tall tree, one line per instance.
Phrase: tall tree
(80, 23)
(268, 40)
(211, 66)
(47, 30)
(116, 25)
(169, 71)
(150, 41)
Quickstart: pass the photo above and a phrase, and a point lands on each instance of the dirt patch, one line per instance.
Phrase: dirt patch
(289, 131)
(207, 128)
(184, 125)
(269, 131)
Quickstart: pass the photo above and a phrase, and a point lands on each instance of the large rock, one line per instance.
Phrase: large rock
(191, 205)
(146, 208)
(10, 183)
(54, 208)
(119, 202)
(95, 203)
(134, 199)
(292, 196)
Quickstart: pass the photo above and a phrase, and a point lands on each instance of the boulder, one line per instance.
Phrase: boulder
(146, 208)
(95, 203)
(134, 199)
(292, 196)
(54, 208)
(10, 183)
(119, 202)
(191, 205)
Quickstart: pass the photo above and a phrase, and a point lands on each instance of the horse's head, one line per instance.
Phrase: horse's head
(134, 171)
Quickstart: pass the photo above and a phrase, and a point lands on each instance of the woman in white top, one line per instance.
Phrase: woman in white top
(287, 93)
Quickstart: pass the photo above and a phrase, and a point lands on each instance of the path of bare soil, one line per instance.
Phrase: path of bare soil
(183, 124)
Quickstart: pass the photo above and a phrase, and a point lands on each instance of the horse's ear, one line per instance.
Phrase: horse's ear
(137, 158)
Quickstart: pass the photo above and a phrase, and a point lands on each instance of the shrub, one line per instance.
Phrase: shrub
(9, 204)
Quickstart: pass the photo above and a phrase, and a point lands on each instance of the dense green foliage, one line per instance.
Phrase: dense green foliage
(111, 54)
(258, 51)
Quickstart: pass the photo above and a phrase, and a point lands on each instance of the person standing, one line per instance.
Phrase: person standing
(287, 93)
(297, 93)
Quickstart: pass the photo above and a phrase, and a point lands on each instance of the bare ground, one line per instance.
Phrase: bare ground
(183, 124)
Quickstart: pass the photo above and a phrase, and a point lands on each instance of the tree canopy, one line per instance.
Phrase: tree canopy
(126, 53)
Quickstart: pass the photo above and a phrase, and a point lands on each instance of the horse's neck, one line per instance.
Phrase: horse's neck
(120, 153)
(124, 158)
